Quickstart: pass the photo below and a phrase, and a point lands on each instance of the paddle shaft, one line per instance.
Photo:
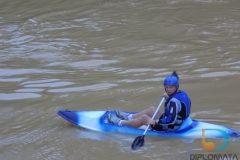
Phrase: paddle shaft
(159, 106)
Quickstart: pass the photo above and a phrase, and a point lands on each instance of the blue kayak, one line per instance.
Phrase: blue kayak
(97, 121)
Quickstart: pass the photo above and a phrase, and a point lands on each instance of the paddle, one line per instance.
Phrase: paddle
(139, 141)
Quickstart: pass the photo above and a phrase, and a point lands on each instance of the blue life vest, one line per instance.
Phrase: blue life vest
(182, 96)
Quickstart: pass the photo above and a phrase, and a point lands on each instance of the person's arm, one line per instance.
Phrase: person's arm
(172, 114)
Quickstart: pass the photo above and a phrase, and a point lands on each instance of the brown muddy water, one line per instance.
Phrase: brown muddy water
(97, 55)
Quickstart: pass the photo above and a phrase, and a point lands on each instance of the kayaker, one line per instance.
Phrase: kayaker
(177, 108)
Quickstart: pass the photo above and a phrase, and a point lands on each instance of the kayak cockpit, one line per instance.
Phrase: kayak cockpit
(186, 123)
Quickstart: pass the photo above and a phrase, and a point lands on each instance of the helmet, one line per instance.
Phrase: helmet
(171, 81)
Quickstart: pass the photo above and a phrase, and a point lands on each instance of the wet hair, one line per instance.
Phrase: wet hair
(175, 74)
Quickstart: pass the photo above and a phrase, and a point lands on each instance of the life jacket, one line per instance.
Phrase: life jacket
(183, 97)
(181, 116)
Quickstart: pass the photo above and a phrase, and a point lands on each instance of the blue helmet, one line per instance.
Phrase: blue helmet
(171, 81)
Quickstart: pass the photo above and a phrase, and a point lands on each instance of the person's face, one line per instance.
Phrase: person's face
(170, 89)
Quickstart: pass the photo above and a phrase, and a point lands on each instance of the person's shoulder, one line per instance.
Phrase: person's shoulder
(174, 100)
(182, 92)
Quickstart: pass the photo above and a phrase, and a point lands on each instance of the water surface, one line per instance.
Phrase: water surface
(97, 55)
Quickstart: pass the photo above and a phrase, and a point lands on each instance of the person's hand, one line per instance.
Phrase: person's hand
(152, 124)
(165, 95)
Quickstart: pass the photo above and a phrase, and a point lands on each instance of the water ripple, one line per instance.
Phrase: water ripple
(95, 87)
(11, 72)
(12, 79)
(91, 63)
(18, 96)
(55, 84)
(20, 40)
(219, 74)
(140, 70)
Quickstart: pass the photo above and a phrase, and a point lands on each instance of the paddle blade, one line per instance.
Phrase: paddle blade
(138, 142)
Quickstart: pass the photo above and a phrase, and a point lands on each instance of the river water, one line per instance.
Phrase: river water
(97, 55)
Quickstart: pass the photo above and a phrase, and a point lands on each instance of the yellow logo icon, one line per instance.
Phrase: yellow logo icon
(210, 146)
